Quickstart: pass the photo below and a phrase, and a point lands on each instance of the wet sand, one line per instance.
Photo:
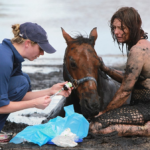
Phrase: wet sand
(109, 142)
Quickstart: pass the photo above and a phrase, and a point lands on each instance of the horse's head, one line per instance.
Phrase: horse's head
(81, 66)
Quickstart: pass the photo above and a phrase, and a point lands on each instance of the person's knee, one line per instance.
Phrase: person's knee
(28, 79)
(24, 81)
(18, 87)
(27, 76)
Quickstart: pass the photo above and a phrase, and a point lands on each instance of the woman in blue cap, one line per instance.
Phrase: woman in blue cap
(30, 41)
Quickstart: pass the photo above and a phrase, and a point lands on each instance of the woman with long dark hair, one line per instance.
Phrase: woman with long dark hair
(130, 119)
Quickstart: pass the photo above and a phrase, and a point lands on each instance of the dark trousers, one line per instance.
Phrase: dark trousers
(17, 88)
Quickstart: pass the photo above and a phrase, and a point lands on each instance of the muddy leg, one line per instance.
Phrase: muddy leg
(95, 127)
(123, 130)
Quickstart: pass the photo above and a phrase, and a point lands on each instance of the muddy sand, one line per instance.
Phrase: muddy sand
(109, 142)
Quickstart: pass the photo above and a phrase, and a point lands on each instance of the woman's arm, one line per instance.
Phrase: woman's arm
(50, 91)
(35, 94)
(134, 67)
(41, 103)
(113, 73)
(38, 99)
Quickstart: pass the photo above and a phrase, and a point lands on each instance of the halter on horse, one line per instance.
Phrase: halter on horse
(76, 82)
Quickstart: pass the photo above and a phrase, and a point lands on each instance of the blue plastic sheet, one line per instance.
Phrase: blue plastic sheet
(44, 133)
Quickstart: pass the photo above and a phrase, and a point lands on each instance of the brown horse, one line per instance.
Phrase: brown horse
(93, 89)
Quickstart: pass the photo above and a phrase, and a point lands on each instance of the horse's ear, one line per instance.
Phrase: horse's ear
(93, 35)
(66, 36)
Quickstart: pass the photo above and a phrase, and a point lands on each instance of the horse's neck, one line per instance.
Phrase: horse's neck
(65, 55)
(103, 83)
(107, 88)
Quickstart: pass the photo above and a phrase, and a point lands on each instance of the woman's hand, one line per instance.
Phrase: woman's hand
(56, 87)
(100, 113)
(42, 102)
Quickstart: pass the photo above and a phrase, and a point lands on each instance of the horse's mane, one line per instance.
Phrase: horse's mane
(80, 39)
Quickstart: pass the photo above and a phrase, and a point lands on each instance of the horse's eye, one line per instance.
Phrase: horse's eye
(73, 64)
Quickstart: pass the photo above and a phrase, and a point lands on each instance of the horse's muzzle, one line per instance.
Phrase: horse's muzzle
(90, 104)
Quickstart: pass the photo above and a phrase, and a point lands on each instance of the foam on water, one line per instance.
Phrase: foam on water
(42, 69)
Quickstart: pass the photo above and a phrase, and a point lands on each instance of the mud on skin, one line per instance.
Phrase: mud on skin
(102, 142)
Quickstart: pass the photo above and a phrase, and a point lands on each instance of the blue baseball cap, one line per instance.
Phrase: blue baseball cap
(36, 33)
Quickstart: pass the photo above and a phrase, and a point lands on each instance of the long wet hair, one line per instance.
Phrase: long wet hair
(132, 20)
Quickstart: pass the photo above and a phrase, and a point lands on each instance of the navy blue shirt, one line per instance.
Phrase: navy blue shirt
(10, 65)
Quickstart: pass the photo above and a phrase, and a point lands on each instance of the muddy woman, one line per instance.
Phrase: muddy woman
(133, 119)
(30, 41)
